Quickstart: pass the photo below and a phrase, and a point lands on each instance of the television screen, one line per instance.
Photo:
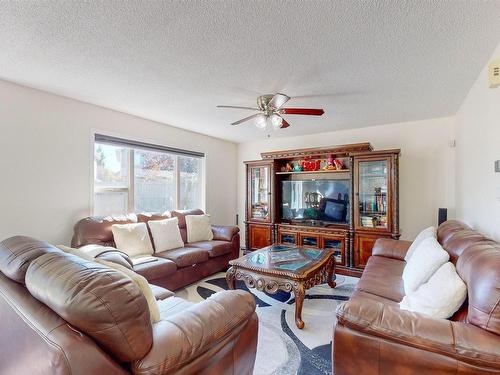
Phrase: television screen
(322, 200)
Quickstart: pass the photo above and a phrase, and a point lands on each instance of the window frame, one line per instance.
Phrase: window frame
(130, 189)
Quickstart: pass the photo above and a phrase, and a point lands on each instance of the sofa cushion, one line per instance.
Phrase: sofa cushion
(181, 215)
(160, 293)
(382, 277)
(440, 297)
(100, 301)
(133, 239)
(186, 256)
(479, 267)
(214, 248)
(426, 233)
(427, 258)
(17, 253)
(198, 228)
(166, 234)
(157, 269)
(97, 230)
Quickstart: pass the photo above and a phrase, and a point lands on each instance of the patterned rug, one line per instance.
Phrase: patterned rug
(283, 349)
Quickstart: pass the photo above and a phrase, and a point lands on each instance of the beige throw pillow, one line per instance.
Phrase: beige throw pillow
(137, 279)
(440, 297)
(132, 239)
(198, 228)
(166, 234)
(427, 258)
(429, 232)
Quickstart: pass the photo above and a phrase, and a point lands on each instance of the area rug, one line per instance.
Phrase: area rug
(283, 349)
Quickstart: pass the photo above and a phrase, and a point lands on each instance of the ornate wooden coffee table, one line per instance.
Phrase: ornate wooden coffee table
(283, 267)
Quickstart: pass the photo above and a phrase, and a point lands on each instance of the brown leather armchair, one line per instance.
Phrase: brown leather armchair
(374, 336)
(61, 314)
(175, 268)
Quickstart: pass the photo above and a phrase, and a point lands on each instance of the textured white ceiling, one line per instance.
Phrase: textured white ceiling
(364, 62)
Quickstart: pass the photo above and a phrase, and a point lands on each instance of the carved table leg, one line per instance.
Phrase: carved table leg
(299, 292)
(230, 278)
(331, 273)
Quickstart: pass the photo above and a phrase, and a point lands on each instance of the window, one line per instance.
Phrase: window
(136, 177)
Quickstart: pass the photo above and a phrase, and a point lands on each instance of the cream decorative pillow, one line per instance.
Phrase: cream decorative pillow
(426, 259)
(166, 234)
(426, 233)
(198, 228)
(133, 239)
(137, 279)
(440, 297)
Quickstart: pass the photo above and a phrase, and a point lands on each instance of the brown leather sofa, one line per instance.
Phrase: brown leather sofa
(173, 268)
(374, 336)
(62, 315)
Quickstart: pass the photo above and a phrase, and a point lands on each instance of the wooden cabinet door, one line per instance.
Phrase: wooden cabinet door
(363, 245)
(337, 244)
(259, 236)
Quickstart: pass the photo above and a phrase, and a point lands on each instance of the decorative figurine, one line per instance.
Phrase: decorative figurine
(330, 166)
(289, 167)
(298, 167)
(338, 164)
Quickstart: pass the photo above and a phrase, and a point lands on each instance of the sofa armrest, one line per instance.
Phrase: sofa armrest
(389, 248)
(224, 233)
(462, 341)
(181, 338)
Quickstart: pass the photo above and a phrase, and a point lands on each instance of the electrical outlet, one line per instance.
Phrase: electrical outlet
(494, 73)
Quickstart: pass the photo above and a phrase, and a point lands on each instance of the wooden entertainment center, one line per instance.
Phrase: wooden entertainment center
(340, 197)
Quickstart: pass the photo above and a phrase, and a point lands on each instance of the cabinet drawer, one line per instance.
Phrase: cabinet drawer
(259, 236)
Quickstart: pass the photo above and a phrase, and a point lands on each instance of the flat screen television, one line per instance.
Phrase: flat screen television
(315, 200)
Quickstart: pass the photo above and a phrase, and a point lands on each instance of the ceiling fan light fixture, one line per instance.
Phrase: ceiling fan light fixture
(261, 122)
(276, 121)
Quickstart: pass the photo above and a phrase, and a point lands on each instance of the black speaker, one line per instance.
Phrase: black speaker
(442, 215)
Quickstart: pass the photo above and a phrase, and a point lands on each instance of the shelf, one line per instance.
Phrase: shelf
(316, 172)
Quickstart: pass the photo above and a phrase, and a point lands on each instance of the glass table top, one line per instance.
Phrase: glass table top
(287, 258)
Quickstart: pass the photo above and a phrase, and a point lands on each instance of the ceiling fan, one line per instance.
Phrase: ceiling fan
(271, 109)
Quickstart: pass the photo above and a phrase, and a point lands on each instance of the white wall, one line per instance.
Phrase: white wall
(478, 146)
(45, 161)
(426, 164)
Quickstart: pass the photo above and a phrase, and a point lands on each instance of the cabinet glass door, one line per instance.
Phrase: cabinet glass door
(373, 182)
(337, 245)
(259, 193)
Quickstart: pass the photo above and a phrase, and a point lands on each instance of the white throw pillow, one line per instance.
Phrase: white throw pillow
(426, 233)
(198, 228)
(440, 297)
(426, 259)
(166, 234)
(133, 239)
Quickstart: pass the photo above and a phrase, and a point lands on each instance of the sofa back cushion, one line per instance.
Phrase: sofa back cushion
(17, 253)
(97, 230)
(99, 301)
(477, 260)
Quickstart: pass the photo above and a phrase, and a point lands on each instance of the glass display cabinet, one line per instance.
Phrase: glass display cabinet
(259, 212)
(375, 202)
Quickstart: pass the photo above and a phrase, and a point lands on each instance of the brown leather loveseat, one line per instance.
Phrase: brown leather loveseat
(62, 315)
(373, 336)
(175, 268)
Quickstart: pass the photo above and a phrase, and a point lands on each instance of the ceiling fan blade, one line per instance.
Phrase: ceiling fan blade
(246, 119)
(302, 111)
(278, 100)
(237, 107)
(284, 124)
